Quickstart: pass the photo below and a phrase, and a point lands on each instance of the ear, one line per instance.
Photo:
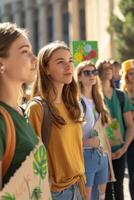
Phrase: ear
(2, 68)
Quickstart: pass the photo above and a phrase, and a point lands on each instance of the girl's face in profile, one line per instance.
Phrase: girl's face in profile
(130, 75)
(60, 67)
(88, 76)
(20, 62)
(107, 71)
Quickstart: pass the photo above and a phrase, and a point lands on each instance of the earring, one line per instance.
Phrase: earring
(2, 69)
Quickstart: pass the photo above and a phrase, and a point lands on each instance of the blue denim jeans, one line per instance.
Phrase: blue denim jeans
(96, 167)
(71, 193)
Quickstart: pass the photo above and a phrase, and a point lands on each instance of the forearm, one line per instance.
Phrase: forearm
(129, 136)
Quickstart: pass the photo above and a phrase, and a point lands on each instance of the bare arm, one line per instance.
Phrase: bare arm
(129, 123)
(128, 119)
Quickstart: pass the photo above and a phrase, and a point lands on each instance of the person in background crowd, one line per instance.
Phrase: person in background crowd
(128, 87)
(59, 90)
(116, 73)
(123, 115)
(17, 66)
(97, 150)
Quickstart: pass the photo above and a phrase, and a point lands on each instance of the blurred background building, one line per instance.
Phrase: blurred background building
(67, 20)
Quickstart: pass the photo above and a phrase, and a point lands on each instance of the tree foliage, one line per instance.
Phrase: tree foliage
(123, 30)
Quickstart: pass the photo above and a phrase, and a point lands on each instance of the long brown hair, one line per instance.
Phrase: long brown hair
(8, 34)
(96, 92)
(99, 66)
(48, 91)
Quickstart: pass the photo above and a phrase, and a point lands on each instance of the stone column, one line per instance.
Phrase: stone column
(74, 20)
(42, 22)
(5, 13)
(57, 19)
(16, 11)
(29, 19)
(91, 19)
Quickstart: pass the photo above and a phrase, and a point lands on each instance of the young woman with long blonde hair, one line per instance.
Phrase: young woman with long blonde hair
(97, 153)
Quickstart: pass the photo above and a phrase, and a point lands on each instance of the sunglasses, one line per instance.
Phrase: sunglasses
(89, 72)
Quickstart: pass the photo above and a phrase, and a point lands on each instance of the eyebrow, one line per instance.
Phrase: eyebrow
(25, 45)
(63, 59)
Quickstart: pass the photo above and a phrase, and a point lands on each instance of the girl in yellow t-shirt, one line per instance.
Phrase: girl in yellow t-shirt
(58, 89)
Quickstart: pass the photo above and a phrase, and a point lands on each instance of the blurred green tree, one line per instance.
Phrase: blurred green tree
(123, 30)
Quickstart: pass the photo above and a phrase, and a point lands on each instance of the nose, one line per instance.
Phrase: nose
(33, 58)
(68, 67)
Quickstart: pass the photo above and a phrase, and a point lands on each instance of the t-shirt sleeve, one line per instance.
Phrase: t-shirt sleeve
(2, 137)
(127, 104)
(34, 112)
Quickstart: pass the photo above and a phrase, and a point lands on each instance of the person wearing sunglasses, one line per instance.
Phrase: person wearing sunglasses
(128, 86)
(96, 148)
(119, 109)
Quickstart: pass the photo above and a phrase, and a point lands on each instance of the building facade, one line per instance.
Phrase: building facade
(49, 20)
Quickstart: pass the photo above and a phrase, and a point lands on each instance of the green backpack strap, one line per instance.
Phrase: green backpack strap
(10, 140)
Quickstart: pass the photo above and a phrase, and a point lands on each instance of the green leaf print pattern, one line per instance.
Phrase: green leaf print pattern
(40, 162)
(40, 170)
(36, 194)
(8, 196)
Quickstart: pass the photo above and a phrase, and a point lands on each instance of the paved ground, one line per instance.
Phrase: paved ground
(126, 190)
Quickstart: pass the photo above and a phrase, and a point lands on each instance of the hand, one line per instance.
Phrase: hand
(92, 142)
(119, 153)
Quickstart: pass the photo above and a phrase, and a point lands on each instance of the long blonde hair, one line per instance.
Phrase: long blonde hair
(96, 92)
(47, 89)
(126, 86)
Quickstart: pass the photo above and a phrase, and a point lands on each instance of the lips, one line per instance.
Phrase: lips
(68, 74)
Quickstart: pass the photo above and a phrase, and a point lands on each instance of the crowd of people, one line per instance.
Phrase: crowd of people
(71, 111)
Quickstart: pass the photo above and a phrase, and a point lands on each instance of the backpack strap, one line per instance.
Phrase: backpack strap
(83, 105)
(46, 124)
(10, 140)
(46, 121)
(121, 98)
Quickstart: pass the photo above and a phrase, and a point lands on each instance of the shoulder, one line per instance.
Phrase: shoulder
(119, 92)
(34, 105)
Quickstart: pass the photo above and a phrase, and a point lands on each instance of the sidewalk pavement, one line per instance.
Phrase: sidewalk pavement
(126, 189)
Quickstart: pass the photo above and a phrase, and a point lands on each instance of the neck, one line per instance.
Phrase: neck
(88, 92)
(9, 94)
(107, 89)
(59, 88)
(106, 85)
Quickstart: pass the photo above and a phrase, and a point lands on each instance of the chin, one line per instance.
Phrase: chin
(30, 80)
(68, 81)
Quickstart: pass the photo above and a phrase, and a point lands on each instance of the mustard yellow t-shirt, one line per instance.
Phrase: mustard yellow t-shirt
(65, 156)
